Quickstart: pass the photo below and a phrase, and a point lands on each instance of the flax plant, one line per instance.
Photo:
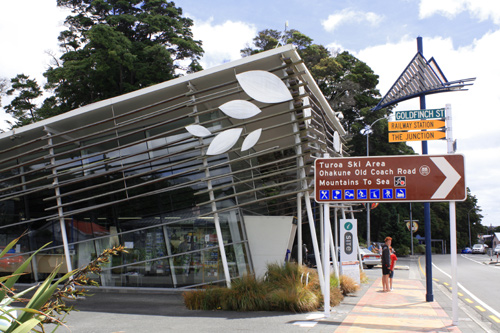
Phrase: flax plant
(48, 301)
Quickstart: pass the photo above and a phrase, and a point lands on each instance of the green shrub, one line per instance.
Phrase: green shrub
(402, 251)
(420, 249)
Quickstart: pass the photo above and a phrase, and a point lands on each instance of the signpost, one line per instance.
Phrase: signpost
(420, 114)
(349, 263)
(408, 178)
(416, 136)
(410, 224)
(416, 125)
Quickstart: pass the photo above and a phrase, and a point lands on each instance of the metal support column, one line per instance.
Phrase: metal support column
(168, 245)
(60, 211)
(220, 240)
(299, 229)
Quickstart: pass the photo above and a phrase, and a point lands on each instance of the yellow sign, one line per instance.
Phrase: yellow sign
(416, 125)
(416, 136)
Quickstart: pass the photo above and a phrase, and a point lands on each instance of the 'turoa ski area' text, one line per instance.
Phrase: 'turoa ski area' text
(376, 172)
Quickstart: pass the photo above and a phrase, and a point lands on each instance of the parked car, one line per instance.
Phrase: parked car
(479, 248)
(497, 249)
(467, 250)
(369, 258)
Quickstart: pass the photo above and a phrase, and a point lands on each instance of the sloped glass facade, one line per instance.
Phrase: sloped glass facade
(126, 171)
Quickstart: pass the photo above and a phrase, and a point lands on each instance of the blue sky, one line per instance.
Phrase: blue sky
(462, 35)
(353, 24)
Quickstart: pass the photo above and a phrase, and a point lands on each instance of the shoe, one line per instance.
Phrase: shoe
(391, 289)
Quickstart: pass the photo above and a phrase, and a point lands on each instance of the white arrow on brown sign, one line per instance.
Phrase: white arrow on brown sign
(452, 177)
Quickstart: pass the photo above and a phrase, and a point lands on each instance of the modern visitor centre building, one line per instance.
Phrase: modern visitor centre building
(203, 178)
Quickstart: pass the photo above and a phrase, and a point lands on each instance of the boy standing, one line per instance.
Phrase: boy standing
(393, 263)
(386, 263)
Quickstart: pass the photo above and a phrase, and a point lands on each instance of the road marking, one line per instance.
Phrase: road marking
(459, 293)
(435, 279)
(480, 308)
(468, 301)
(478, 262)
(446, 284)
(305, 323)
(495, 319)
(486, 306)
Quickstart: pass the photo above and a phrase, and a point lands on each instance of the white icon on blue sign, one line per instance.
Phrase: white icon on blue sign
(349, 194)
(400, 193)
(324, 195)
(336, 195)
(374, 194)
(387, 194)
(361, 194)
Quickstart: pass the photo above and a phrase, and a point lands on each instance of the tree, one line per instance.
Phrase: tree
(114, 47)
(468, 219)
(349, 85)
(23, 106)
(4, 83)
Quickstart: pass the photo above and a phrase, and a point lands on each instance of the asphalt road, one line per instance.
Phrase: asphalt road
(478, 283)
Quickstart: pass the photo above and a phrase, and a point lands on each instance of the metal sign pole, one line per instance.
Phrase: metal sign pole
(411, 229)
(427, 209)
(326, 259)
(453, 228)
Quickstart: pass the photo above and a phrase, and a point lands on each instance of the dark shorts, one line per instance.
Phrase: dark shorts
(391, 274)
(385, 270)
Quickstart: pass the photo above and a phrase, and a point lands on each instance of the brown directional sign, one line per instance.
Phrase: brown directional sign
(411, 178)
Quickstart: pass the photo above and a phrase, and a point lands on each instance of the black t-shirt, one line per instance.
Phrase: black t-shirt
(386, 256)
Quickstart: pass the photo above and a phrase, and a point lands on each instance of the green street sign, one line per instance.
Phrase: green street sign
(420, 114)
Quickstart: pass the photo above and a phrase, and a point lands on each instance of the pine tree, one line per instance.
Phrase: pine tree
(23, 106)
(113, 47)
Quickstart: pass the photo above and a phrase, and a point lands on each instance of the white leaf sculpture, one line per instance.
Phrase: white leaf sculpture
(224, 141)
(198, 131)
(239, 109)
(264, 86)
(251, 139)
(336, 142)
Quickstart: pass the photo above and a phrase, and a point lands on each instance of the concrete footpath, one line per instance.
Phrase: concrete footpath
(402, 310)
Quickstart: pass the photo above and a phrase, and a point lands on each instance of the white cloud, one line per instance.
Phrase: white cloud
(27, 37)
(223, 42)
(479, 9)
(350, 16)
(29, 29)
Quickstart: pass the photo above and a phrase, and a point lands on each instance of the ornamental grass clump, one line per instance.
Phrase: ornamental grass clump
(287, 287)
(348, 285)
(247, 294)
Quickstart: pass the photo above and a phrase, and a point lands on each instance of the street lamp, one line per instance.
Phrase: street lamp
(468, 221)
(367, 131)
